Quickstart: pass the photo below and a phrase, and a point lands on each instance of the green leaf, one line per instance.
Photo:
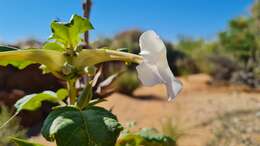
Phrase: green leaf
(145, 137)
(34, 101)
(62, 94)
(7, 48)
(123, 49)
(21, 142)
(54, 60)
(69, 33)
(85, 96)
(53, 46)
(152, 136)
(69, 126)
(131, 140)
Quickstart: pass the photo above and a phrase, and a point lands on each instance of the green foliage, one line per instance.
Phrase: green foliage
(70, 126)
(6, 48)
(85, 96)
(21, 142)
(127, 82)
(145, 137)
(77, 123)
(69, 33)
(130, 140)
(198, 51)
(238, 39)
(190, 46)
(241, 43)
(12, 129)
(53, 46)
(34, 101)
(127, 39)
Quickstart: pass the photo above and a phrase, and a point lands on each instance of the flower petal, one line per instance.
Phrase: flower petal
(155, 69)
(152, 47)
(173, 88)
(148, 74)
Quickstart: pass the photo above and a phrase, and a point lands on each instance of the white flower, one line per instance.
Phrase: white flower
(155, 69)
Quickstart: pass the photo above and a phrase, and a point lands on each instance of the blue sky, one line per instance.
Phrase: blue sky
(22, 19)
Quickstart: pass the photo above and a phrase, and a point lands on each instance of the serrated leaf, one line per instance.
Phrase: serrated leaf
(69, 126)
(21, 142)
(34, 101)
(54, 60)
(69, 33)
(53, 46)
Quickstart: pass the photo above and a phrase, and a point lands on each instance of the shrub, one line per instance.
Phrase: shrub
(197, 53)
(127, 83)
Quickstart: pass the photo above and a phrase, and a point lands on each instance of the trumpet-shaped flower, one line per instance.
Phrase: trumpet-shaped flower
(154, 68)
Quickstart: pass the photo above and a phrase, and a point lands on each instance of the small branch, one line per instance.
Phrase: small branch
(87, 9)
(2, 126)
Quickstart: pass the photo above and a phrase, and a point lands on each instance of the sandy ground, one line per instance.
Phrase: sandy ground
(194, 110)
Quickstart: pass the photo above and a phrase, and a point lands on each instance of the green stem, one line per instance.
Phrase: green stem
(71, 84)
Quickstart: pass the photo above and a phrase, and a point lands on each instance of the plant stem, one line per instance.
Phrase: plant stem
(87, 9)
(71, 84)
(2, 126)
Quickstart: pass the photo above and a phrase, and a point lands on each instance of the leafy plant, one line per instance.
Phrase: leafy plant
(127, 82)
(77, 121)
(63, 57)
